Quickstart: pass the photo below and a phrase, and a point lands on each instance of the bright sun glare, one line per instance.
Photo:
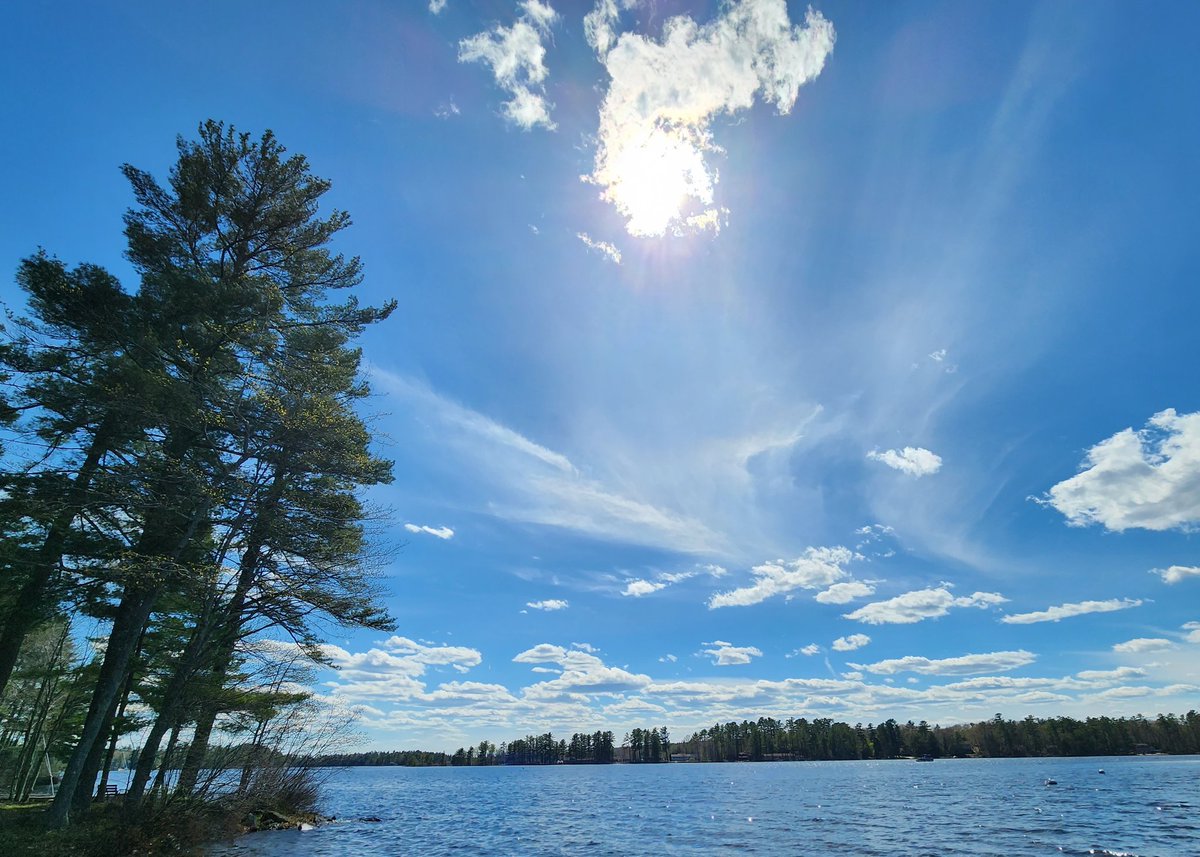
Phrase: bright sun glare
(654, 175)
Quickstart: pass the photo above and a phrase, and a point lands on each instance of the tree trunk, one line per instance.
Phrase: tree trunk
(113, 732)
(29, 607)
(174, 697)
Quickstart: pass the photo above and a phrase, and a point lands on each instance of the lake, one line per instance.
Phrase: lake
(1147, 805)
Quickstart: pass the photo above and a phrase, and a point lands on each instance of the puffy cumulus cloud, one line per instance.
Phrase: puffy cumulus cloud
(962, 665)
(460, 657)
(1065, 611)
(517, 57)
(913, 460)
(1148, 478)
(1193, 631)
(607, 249)
(638, 588)
(819, 567)
(849, 644)
(580, 673)
(549, 604)
(808, 651)
(656, 119)
(1178, 573)
(919, 605)
(668, 659)
(1139, 645)
(440, 532)
(725, 654)
(436, 6)
(542, 653)
(844, 593)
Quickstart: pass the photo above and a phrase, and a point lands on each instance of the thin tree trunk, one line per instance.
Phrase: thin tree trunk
(160, 780)
(174, 696)
(29, 607)
(128, 624)
(114, 731)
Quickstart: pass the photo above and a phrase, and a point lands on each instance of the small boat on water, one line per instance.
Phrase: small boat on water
(925, 758)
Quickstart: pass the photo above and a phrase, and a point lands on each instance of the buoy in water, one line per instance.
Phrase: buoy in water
(1051, 782)
(1102, 770)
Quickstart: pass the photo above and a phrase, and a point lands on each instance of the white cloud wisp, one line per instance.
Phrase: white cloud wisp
(517, 57)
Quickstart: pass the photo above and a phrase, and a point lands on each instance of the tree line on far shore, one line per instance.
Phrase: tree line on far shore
(768, 739)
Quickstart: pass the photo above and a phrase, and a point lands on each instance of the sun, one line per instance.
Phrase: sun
(656, 177)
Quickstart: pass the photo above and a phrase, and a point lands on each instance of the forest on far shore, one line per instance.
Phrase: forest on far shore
(798, 739)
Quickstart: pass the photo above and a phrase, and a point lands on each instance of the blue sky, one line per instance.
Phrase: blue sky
(749, 360)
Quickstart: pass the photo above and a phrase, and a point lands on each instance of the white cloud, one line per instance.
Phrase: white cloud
(1064, 611)
(445, 111)
(668, 659)
(1193, 629)
(1119, 674)
(962, 665)
(528, 482)
(849, 644)
(1148, 478)
(582, 672)
(436, 6)
(517, 59)
(938, 356)
(726, 654)
(1177, 573)
(913, 460)
(844, 593)
(548, 604)
(819, 567)
(585, 647)
(440, 532)
(655, 122)
(638, 588)
(599, 25)
(919, 605)
(808, 651)
(1143, 644)
(609, 250)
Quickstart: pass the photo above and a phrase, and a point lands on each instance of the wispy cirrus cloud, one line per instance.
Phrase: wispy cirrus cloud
(656, 120)
(605, 248)
(921, 604)
(1148, 479)
(913, 460)
(516, 57)
(1065, 611)
(526, 481)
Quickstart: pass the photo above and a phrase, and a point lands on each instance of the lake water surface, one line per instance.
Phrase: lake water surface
(1139, 806)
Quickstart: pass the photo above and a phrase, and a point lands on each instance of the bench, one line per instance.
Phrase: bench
(109, 791)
